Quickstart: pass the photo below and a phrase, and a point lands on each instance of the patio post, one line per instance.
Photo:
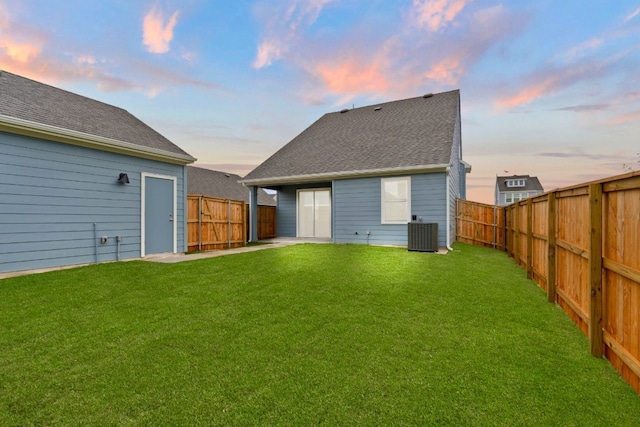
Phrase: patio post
(253, 213)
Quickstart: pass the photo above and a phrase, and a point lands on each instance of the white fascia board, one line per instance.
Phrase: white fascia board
(467, 166)
(67, 136)
(315, 177)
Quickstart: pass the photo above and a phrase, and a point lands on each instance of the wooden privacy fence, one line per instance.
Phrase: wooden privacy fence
(267, 222)
(480, 224)
(214, 223)
(581, 244)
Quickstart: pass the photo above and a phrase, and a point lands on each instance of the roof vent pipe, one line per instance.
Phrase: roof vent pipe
(377, 109)
(428, 95)
(344, 111)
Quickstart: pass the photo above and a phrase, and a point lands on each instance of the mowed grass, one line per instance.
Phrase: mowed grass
(301, 335)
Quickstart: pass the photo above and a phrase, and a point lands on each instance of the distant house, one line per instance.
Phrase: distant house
(82, 181)
(510, 189)
(224, 185)
(360, 175)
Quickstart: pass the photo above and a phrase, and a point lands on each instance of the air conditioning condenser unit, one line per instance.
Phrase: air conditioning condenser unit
(423, 237)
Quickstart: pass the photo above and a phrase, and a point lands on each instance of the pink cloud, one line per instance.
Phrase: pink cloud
(401, 65)
(529, 93)
(19, 52)
(436, 14)
(284, 27)
(352, 72)
(390, 61)
(350, 75)
(34, 53)
(553, 79)
(156, 33)
(268, 51)
(447, 71)
(626, 118)
(18, 43)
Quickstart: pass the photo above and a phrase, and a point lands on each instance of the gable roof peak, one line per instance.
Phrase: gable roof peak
(396, 136)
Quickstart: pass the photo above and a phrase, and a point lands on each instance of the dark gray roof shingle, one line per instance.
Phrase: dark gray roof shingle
(26, 99)
(406, 133)
(213, 183)
(531, 183)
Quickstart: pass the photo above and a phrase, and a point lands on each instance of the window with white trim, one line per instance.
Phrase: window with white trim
(515, 197)
(515, 183)
(396, 200)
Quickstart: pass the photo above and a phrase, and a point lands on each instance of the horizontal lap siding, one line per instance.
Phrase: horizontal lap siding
(51, 194)
(357, 208)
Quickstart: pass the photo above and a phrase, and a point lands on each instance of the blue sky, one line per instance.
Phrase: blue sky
(548, 88)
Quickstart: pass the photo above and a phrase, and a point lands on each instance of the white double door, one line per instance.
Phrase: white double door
(314, 213)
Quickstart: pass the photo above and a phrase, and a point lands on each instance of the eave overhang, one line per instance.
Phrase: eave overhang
(329, 176)
(467, 167)
(81, 139)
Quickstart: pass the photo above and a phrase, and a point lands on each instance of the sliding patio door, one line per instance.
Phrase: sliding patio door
(314, 213)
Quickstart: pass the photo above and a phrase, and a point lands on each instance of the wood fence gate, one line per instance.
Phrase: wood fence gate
(214, 223)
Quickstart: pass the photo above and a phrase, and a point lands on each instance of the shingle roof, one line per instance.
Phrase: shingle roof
(26, 99)
(213, 183)
(399, 134)
(531, 183)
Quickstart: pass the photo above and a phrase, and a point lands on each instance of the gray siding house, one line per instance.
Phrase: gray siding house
(360, 175)
(82, 181)
(510, 189)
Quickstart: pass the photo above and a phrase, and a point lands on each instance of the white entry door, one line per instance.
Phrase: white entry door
(314, 213)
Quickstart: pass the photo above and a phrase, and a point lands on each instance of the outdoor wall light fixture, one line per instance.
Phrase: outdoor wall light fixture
(123, 178)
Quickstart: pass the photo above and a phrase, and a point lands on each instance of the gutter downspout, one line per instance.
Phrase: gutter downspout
(448, 211)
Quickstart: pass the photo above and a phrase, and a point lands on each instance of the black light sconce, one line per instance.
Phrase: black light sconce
(123, 178)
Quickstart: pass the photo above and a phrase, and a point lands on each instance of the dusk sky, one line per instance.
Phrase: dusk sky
(548, 88)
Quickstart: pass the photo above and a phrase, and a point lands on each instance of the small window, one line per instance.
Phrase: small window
(515, 197)
(396, 200)
(515, 183)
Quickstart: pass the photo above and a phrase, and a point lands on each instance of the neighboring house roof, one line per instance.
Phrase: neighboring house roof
(36, 109)
(221, 184)
(531, 183)
(399, 136)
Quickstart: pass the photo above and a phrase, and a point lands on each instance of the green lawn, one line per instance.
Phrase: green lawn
(300, 335)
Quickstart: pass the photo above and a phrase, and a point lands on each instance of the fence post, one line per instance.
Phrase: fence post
(200, 223)
(516, 234)
(551, 249)
(529, 238)
(244, 224)
(503, 213)
(495, 225)
(508, 232)
(595, 269)
(229, 223)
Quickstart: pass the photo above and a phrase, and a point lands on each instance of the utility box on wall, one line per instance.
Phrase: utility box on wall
(423, 237)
